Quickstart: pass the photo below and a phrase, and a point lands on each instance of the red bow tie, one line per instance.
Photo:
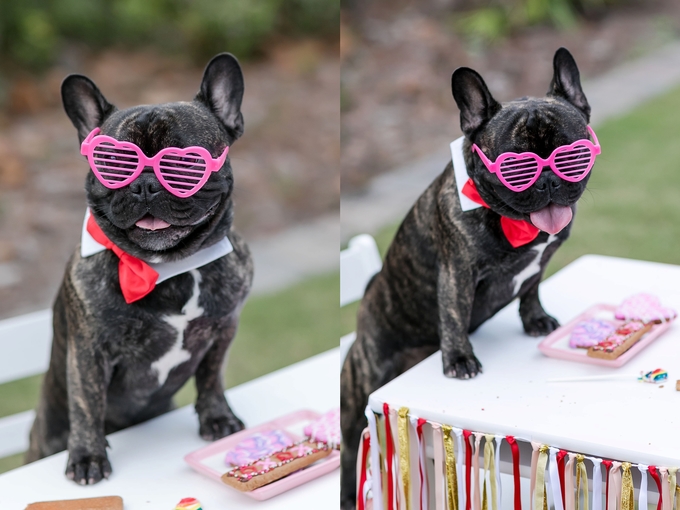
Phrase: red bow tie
(517, 232)
(136, 277)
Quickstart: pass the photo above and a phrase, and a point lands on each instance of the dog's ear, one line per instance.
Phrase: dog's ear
(85, 105)
(473, 98)
(222, 92)
(566, 82)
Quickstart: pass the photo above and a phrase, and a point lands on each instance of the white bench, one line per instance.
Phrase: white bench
(24, 351)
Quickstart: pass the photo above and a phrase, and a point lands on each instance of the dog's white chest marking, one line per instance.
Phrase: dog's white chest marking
(533, 267)
(177, 354)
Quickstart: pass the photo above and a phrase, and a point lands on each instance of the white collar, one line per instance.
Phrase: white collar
(460, 172)
(165, 270)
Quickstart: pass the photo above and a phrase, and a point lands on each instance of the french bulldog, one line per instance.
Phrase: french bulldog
(447, 271)
(116, 363)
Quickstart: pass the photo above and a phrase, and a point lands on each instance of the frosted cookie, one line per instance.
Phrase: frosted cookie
(645, 308)
(103, 503)
(620, 341)
(275, 466)
(589, 333)
(257, 446)
(326, 429)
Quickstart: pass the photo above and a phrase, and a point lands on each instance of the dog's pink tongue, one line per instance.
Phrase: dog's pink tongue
(148, 222)
(551, 219)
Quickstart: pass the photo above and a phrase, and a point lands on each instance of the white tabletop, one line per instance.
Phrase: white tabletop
(148, 467)
(623, 420)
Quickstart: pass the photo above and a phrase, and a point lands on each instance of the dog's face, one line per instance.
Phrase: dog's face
(538, 125)
(143, 218)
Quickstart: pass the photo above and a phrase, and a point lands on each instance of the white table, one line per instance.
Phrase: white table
(623, 420)
(148, 468)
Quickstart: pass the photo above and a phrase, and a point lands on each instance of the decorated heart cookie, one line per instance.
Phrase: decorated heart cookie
(257, 446)
(645, 308)
(326, 429)
(589, 333)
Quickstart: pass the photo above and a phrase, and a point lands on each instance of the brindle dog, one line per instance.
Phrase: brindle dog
(448, 271)
(115, 364)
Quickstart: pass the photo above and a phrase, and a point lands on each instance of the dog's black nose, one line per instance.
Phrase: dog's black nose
(146, 186)
(548, 181)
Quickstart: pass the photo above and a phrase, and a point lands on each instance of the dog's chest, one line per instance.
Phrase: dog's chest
(533, 267)
(505, 280)
(178, 353)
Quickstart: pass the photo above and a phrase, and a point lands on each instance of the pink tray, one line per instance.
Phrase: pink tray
(556, 344)
(210, 460)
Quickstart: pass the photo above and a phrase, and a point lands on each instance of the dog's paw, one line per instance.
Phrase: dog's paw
(462, 366)
(217, 427)
(539, 326)
(348, 504)
(87, 469)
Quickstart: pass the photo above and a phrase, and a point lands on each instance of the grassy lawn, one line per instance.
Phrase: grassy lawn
(632, 205)
(275, 331)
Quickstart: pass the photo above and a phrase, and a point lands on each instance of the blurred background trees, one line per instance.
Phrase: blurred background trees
(32, 32)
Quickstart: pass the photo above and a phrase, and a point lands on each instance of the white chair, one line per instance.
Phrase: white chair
(24, 351)
(358, 263)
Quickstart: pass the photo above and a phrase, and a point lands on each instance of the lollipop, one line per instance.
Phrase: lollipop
(189, 504)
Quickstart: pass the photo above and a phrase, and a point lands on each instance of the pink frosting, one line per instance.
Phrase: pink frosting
(326, 429)
(257, 446)
(589, 333)
(645, 308)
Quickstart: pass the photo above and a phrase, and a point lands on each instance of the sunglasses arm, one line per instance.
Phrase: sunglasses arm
(220, 161)
(598, 150)
(85, 146)
(487, 162)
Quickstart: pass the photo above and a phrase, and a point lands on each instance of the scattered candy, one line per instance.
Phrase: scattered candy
(655, 376)
(189, 504)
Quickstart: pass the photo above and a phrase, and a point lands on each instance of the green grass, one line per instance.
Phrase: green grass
(631, 207)
(275, 331)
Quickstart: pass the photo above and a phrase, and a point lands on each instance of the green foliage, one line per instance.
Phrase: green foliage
(33, 31)
(500, 17)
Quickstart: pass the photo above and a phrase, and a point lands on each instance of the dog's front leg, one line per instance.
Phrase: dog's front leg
(215, 417)
(455, 296)
(534, 318)
(87, 378)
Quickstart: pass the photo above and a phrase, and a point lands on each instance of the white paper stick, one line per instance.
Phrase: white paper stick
(606, 377)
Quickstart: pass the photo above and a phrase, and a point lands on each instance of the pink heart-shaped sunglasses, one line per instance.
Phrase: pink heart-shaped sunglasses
(519, 171)
(180, 171)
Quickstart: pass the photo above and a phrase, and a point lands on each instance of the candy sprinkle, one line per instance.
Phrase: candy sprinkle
(655, 376)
